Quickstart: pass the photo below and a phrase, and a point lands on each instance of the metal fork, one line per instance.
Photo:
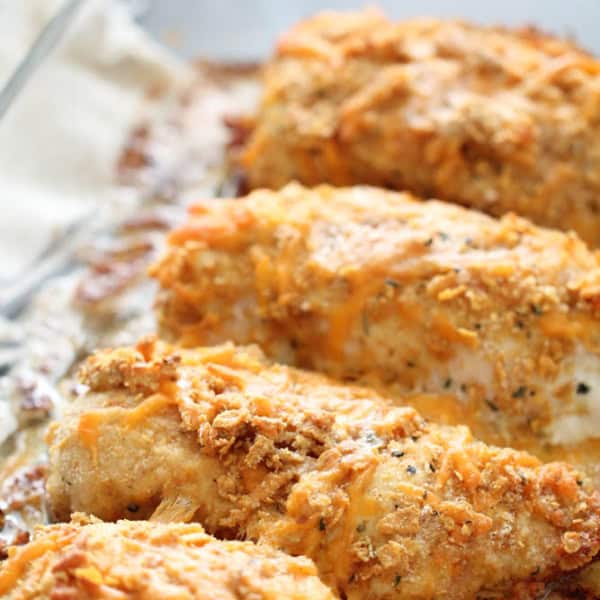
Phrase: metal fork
(15, 293)
(45, 42)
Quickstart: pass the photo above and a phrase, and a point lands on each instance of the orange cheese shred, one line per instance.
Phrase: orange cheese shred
(149, 406)
(88, 430)
(20, 558)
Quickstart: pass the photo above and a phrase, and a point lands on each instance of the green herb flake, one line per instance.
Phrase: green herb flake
(519, 392)
(583, 388)
(536, 310)
(493, 407)
(371, 438)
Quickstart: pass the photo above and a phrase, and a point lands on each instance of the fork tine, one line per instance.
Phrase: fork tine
(41, 48)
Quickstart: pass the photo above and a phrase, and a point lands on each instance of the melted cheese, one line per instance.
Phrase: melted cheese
(344, 318)
(88, 431)
(361, 506)
(20, 558)
(150, 406)
(443, 327)
(560, 325)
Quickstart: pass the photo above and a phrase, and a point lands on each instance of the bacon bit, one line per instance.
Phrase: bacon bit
(97, 286)
(36, 403)
(36, 407)
(22, 536)
(135, 155)
(26, 488)
(240, 127)
(148, 220)
(101, 257)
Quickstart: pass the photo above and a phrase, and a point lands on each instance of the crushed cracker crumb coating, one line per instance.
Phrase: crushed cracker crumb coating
(385, 503)
(89, 559)
(496, 119)
(429, 297)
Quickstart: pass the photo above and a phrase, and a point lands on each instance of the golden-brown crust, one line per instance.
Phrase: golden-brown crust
(386, 504)
(361, 283)
(495, 119)
(88, 559)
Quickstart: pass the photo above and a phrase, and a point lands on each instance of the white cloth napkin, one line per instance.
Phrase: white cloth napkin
(61, 138)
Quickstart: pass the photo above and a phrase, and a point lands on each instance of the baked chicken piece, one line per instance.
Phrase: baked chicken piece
(496, 119)
(361, 283)
(386, 504)
(128, 560)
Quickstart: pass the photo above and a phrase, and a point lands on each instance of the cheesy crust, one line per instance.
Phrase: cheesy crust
(385, 503)
(496, 119)
(498, 318)
(89, 559)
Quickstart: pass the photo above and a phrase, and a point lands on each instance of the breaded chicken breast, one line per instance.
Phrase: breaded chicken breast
(495, 119)
(88, 559)
(421, 297)
(386, 504)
